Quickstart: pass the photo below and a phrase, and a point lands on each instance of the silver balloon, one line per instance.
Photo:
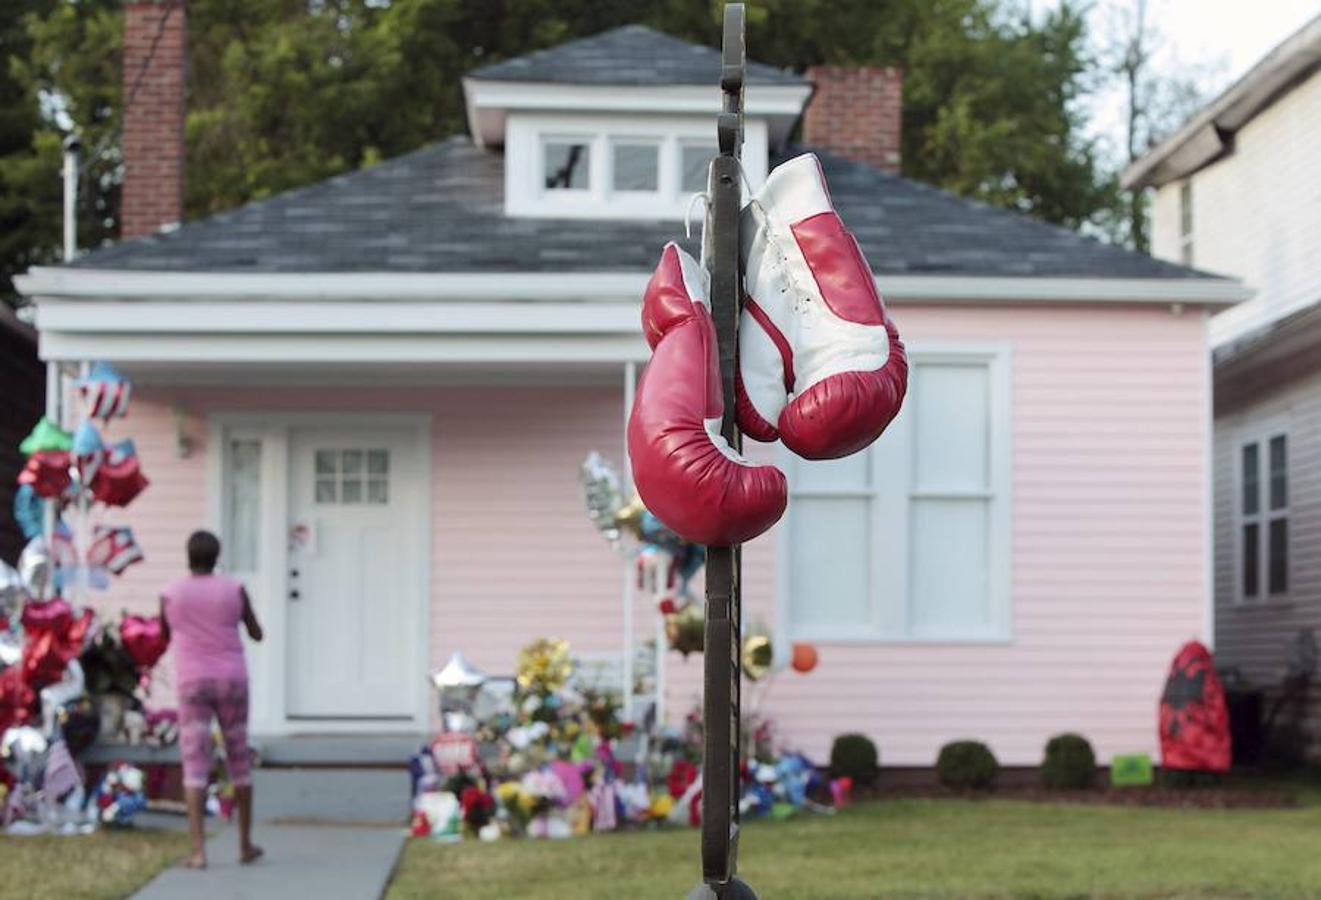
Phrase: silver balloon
(457, 673)
(602, 493)
(12, 592)
(23, 749)
(11, 649)
(34, 567)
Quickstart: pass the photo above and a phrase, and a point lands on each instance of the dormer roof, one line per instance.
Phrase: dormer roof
(631, 55)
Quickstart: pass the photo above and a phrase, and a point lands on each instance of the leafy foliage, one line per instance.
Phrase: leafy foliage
(854, 756)
(967, 766)
(1069, 764)
(284, 93)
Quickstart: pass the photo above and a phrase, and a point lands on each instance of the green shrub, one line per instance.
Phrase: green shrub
(854, 756)
(967, 765)
(1070, 763)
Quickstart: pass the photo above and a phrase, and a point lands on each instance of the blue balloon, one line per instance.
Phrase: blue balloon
(29, 511)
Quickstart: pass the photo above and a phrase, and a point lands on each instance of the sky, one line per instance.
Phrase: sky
(1216, 40)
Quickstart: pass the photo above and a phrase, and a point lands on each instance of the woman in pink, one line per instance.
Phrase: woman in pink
(201, 615)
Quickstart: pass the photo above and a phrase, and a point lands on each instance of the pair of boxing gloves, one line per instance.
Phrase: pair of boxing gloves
(820, 365)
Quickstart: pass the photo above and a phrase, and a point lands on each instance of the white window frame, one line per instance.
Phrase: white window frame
(527, 135)
(890, 613)
(1261, 434)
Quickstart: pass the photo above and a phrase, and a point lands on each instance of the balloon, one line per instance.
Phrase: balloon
(47, 473)
(144, 639)
(88, 451)
(29, 511)
(685, 631)
(34, 567)
(11, 649)
(23, 749)
(805, 658)
(119, 478)
(46, 436)
(105, 391)
(757, 657)
(601, 491)
(12, 591)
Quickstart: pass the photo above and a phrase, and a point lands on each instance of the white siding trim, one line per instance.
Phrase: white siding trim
(49, 285)
(998, 356)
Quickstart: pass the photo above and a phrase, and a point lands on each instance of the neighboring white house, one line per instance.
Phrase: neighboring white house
(1237, 191)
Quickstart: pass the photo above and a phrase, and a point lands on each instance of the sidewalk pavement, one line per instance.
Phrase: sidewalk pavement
(301, 861)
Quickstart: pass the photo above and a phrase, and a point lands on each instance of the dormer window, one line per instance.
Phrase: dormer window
(612, 167)
(566, 164)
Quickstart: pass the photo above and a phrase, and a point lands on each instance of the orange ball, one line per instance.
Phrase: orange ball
(805, 658)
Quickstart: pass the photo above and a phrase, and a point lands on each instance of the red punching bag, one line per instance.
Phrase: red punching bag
(1194, 721)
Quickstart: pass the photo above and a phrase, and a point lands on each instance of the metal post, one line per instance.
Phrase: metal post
(722, 656)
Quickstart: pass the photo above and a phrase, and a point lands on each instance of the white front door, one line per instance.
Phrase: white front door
(353, 582)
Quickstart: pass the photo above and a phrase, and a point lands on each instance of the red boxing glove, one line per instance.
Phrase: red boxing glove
(685, 471)
(821, 365)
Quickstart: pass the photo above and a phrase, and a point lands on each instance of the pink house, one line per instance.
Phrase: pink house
(379, 390)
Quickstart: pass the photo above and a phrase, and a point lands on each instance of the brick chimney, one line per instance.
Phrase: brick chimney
(153, 116)
(857, 112)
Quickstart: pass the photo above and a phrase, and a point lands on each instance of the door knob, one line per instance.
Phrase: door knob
(293, 573)
(293, 595)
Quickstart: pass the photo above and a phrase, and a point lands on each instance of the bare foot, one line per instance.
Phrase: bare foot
(250, 854)
(196, 861)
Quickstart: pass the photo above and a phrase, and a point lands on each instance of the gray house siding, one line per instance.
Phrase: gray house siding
(1254, 637)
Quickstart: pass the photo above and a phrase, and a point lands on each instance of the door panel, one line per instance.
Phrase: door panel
(353, 561)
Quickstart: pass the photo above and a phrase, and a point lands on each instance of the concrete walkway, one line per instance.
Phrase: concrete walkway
(301, 861)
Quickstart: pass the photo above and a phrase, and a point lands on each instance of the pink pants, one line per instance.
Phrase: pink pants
(227, 702)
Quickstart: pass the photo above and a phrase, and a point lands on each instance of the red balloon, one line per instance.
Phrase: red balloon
(144, 639)
(805, 658)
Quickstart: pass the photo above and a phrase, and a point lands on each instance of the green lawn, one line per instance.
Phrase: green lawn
(102, 865)
(912, 848)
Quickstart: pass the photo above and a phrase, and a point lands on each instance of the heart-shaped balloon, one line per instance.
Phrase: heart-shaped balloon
(55, 616)
(144, 639)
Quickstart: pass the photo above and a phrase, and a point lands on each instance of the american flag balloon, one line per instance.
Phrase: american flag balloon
(105, 392)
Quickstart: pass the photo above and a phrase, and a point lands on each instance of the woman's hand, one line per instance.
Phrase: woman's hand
(250, 618)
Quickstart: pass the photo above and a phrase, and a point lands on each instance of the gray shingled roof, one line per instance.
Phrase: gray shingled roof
(440, 209)
(633, 54)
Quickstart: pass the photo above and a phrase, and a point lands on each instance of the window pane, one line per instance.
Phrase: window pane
(325, 490)
(1278, 576)
(1251, 553)
(378, 491)
(351, 462)
(243, 506)
(567, 164)
(849, 473)
(949, 590)
(325, 462)
(1185, 209)
(351, 491)
(952, 412)
(1251, 480)
(1279, 475)
(378, 462)
(637, 167)
(828, 579)
(694, 160)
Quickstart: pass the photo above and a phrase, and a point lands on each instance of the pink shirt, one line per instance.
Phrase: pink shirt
(204, 612)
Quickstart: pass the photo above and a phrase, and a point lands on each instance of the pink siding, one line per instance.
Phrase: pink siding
(1108, 560)
(1108, 536)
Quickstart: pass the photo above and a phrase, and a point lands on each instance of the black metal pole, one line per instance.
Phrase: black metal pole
(723, 654)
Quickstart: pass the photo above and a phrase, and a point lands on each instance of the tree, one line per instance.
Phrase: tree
(288, 92)
(1156, 102)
